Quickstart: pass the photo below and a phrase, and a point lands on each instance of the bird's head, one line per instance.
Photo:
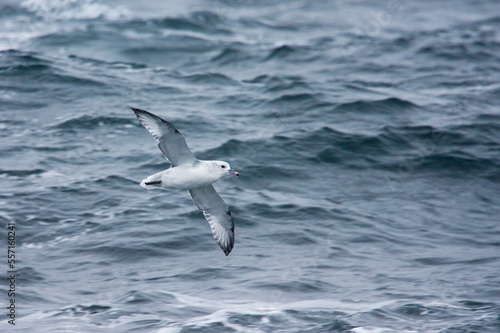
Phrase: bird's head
(224, 168)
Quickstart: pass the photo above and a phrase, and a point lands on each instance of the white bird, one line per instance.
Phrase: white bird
(189, 173)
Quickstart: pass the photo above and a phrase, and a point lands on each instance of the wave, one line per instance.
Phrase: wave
(280, 83)
(448, 164)
(21, 173)
(394, 148)
(299, 102)
(27, 20)
(10, 9)
(86, 122)
(201, 21)
(439, 261)
(388, 105)
(476, 43)
(254, 22)
(111, 64)
(13, 57)
(114, 180)
(219, 315)
(281, 52)
(181, 44)
(303, 286)
(84, 310)
(458, 52)
(29, 66)
(48, 75)
(137, 297)
(29, 275)
(201, 274)
(57, 10)
(209, 78)
(231, 56)
(295, 53)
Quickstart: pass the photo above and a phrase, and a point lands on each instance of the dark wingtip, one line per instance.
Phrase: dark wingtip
(228, 248)
(136, 110)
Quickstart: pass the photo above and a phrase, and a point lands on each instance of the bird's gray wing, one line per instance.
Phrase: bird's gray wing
(170, 140)
(217, 213)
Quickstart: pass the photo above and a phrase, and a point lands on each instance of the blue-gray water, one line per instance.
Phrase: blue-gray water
(366, 134)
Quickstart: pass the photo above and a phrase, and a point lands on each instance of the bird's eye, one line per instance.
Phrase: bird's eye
(223, 166)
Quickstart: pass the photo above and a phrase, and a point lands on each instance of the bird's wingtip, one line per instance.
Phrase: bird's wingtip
(140, 113)
(227, 249)
(137, 109)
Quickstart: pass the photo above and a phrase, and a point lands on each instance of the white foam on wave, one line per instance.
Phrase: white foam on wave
(71, 9)
(222, 311)
(378, 330)
(55, 243)
(47, 17)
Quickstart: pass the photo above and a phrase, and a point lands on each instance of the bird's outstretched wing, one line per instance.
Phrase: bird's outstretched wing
(170, 140)
(217, 213)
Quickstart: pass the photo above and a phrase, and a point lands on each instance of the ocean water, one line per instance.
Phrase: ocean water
(366, 135)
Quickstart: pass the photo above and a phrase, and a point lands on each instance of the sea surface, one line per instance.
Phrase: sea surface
(366, 135)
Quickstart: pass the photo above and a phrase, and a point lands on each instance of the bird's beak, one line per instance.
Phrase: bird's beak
(231, 171)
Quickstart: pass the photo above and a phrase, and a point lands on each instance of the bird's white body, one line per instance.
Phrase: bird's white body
(188, 176)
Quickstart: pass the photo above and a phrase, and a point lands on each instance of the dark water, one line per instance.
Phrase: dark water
(366, 134)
